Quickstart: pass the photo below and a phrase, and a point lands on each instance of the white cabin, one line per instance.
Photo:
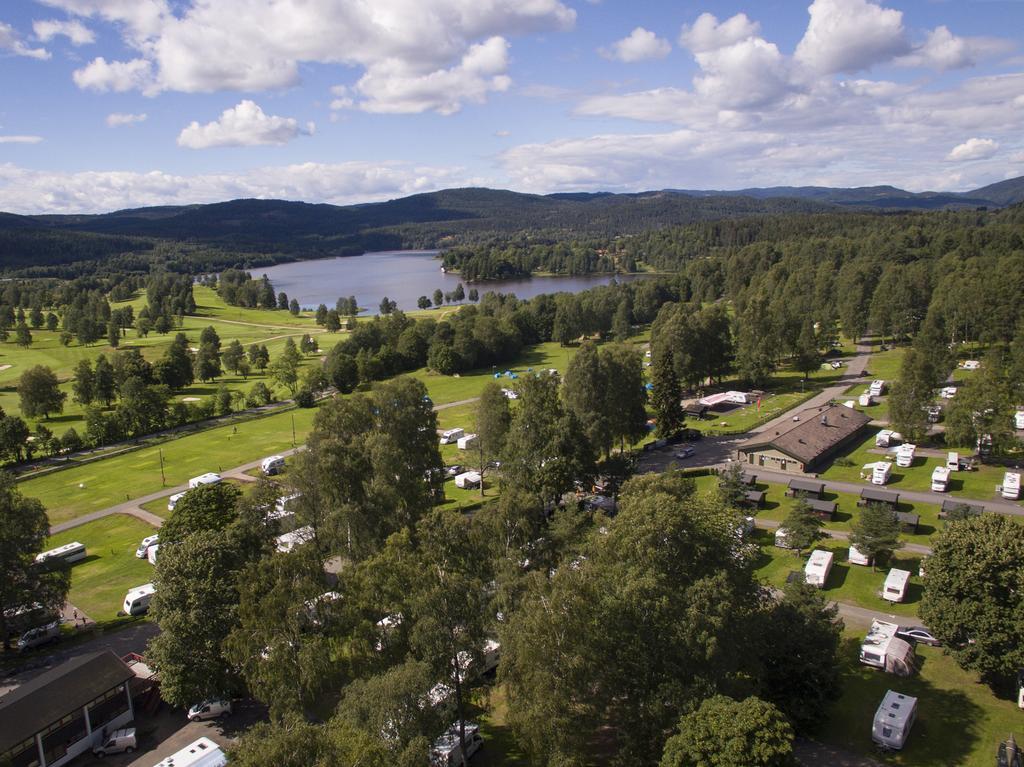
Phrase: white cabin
(818, 566)
(466, 441)
(881, 473)
(210, 478)
(451, 435)
(940, 479)
(855, 557)
(136, 602)
(895, 587)
(1011, 486)
(893, 720)
(905, 455)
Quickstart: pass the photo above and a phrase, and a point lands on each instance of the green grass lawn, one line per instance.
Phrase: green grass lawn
(959, 721)
(846, 583)
(489, 709)
(100, 581)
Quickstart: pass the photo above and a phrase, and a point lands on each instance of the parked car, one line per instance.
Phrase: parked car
(118, 741)
(209, 709)
(451, 471)
(39, 636)
(683, 453)
(918, 634)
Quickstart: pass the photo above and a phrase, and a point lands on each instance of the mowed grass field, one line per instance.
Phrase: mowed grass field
(100, 581)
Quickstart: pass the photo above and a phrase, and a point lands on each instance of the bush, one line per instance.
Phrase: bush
(843, 462)
(304, 398)
(259, 395)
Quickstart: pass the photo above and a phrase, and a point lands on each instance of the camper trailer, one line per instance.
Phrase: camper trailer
(451, 436)
(953, 461)
(818, 566)
(1011, 486)
(884, 650)
(905, 455)
(288, 541)
(877, 388)
(855, 557)
(467, 480)
(151, 553)
(143, 549)
(893, 720)
(948, 392)
(1018, 420)
(895, 587)
(272, 465)
(865, 400)
(888, 438)
(201, 753)
(136, 602)
(881, 473)
(940, 479)
(447, 751)
(466, 441)
(66, 554)
(210, 478)
(173, 501)
(781, 538)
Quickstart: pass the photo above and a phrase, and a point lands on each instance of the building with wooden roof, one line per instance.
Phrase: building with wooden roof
(805, 444)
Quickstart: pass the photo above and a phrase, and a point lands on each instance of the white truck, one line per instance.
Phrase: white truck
(940, 479)
(1011, 486)
(818, 566)
(881, 473)
(905, 455)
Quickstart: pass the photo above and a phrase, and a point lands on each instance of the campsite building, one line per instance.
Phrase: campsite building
(61, 713)
(805, 444)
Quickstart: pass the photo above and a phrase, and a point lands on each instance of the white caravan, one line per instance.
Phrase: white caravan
(143, 549)
(468, 480)
(451, 435)
(447, 752)
(201, 753)
(888, 438)
(895, 587)
(466, 441)
(940, 479)
(893, 720)
(881, 473)
(905, 455)
(152, 553)
(136, 602)
(1018, 420)
(818, 566)
(953, 461)
(855, 557)
(272, 465)
(210, 478)
(68, 553)
(1011, 486)
(877, 388)
(173, 501)
(884, 650)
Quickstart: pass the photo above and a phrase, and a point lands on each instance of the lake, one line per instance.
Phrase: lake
(403, 276)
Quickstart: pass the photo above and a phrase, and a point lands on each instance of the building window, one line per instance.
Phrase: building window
(62, 735)
(108, 707)
(25, 754)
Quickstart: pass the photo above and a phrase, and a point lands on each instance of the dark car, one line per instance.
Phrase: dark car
(918, 634)
(451, 471)
(683, 452)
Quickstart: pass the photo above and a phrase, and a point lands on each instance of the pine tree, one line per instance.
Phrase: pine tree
(876, 533)
(803, 528)
(668, 410)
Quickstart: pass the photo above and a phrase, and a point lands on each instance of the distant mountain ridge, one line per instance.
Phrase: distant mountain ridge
(258, 232)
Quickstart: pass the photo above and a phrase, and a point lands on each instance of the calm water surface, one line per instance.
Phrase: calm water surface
(402, 276)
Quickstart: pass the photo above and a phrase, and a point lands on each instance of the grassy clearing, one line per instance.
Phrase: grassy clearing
(100, 581)
(960, 722)
(489, 708)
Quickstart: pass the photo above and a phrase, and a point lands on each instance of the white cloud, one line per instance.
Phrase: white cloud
(32, 191)
(74, 30)
(116, 119)
(850, 35)
(973, 149)
(943, 50)
(707, 34)
(245, 124)
(10, 41)
(502, 133)
(640, 45)
(20, 139)
(406, 50)
(119, 76)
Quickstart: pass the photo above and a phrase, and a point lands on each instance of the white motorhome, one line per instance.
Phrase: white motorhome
(466, 441)
(818, 566)
(288, 541)
(136, 602)
(68, 553)
(272, 465)
(905, 455)
(467, 480)
(143, 549)
(865, 400)
(210, 478)
(491, 655)
(893, 720)
(877, 388)
(888, 438)
(884, 650)
(940, 479)
(451, 435)
(953, 461)
(895, 587)
(948, 392)
(855, 557)
(881, 473)
(152, 553)
(970, 364)
(1011, 486)
(173, 501)
(447, 751)
(201, 753)
(1018, 420)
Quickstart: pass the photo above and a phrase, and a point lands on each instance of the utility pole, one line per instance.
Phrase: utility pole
(163, 479)
(293, 429)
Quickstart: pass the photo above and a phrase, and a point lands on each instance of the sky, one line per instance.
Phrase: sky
(110, 104)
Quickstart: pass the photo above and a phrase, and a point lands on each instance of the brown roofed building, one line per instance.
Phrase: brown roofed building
(805, 444)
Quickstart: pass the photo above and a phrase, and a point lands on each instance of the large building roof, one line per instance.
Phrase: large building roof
(52, 695)
(818, 430)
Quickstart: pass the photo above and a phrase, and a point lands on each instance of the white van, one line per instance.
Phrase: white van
(895, 587)
(39, 636)
(210, 478)
(173, 501)
(818, 566)
(1011, 486)
(940, 479)
(137, 600)
(881, 473)
(143, 549)
(451, 435)
(855, 557)
(905, 455)
(272, 465)
(119, 741)
(953, 461)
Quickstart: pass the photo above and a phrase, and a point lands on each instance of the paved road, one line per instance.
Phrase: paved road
(810, 753)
